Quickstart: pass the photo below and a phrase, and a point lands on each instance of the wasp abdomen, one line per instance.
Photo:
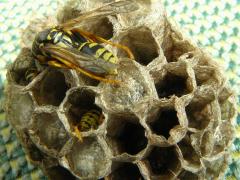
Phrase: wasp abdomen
(89, 120)
(98, 51)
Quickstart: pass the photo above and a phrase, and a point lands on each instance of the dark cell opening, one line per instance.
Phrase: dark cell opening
(60, 173)
(204, 74)
(23, 63)
(88, 81)
(185, 175)
(165, 121)
(142, 44)
(82, 97)
(189, 154)
(163, 161)
(172, 85)
(51, 90)
(103, 28)
(33, 152)
(127, 171)
(132, 138)
(198, 115)
(177, 48)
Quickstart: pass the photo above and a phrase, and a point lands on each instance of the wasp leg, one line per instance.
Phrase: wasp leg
(77, 133)
(93, 76)
(93, 37)
(57, 64)
(69, 65)
(30, 74)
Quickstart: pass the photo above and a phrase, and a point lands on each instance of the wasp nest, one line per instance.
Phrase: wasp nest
(170, 119)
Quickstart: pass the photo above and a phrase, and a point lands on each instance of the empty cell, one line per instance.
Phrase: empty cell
(129, 136)
(88, 81)
(60, 173)
(88, 159)
(142, 44)
(185, 175)
(164, 122)
(20, 112)
(227, 110)
(172, 84)
(126, 171)
(33, 152)
(49, 130)
(204, 74)
(189, 154)
(52, 89)
(199, 115)
(178, 48)
(102, 28)
(163, 161)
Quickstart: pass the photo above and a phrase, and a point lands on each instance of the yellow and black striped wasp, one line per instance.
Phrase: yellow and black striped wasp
(68, 46)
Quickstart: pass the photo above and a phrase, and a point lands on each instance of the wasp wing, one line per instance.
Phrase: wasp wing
(73, 58)
(124, 6)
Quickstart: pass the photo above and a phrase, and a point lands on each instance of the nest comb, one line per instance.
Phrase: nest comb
(172, 118)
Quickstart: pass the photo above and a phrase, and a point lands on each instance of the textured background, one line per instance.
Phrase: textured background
(213, 24)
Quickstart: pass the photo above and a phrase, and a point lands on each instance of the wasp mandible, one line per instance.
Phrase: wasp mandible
(67, 46)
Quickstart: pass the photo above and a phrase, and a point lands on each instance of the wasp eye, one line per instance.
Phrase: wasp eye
(42, 36)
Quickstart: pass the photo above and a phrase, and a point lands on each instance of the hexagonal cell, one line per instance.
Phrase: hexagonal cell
(227, 104)
(199, 114)
(204, 75)
(87, 160)
(125, 135)
(33, 152)
(81, 105)
(223, 137)
(216, 167)
(47, 131)
(21, 65)
(126, 171)
(175, 45)
(35, 155)
(163, 162)
(142, 44)
(18, 113)
(59, 173)
(135, 86)
(176, 81)
(164, 122)
(103, 28)
(187, 175)
(52, 89)
(207, 143)
(191, 158)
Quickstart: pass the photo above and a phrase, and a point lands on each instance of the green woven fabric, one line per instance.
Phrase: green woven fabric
(213, 24)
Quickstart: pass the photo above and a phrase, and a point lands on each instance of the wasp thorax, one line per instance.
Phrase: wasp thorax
(168, 117)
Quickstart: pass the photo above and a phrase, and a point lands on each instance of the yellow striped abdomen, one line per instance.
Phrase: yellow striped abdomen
(98, 51)
(90, 120)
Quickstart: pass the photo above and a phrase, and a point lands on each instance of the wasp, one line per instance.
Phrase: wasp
(68, 46)
(89, 120)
